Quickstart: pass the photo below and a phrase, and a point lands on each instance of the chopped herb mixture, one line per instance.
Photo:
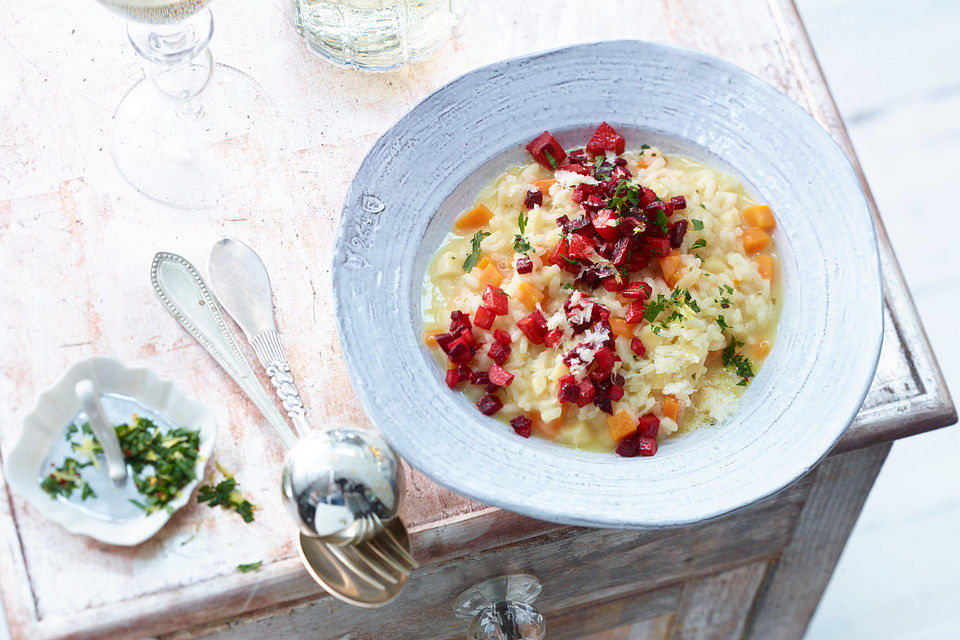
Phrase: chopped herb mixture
(247, 568)
(471, 260)
(520, 243)
(737, 362)
(227, 495)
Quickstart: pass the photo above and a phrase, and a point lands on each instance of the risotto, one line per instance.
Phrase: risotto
(605, 299)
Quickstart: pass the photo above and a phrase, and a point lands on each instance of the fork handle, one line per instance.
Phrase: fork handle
(269, 350)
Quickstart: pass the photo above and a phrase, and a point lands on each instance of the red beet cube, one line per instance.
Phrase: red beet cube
(467, 336)
(568, 390)
(533, 198)
(636, 345)
(678, 202)
(546, 150)
(639, 290)
(658, 246)
(587, 392)
(499, 376)
(620, 173)
(489, 405)
(606, 139)
(583, 191)
(575, 168)
(453, 378)
(458, 322)
(499, 352)
(534, 326)
(601, 222)
(483, 318)
(612, 284)
(615, 392)
(677, 230)
(479, 378)
(647, 446)
(444, 340)
(560, 256)
(501, 336)
(553, 338)
(522, 425)
(460, 351)
(524, 264)
(621, 251)
(592, 203)
(604, 359)
(628, 448)
(634, 311)
(496, 300)
(648, 426)
(638, 259)
(581, 247)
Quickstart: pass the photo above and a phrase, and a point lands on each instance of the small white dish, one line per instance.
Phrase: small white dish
(139, 389)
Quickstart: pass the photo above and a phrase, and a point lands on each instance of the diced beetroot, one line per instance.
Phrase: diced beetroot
(612, 284)
(575, 168)
(499, 352)
(634, 311)
(639, 259)
(502, 336)
(533, 198)
(628, 448)
(617, 378)
(615, 392)
(604, 405)
(479, 378)
(647, 197)
(484, 317)
(592, 203)
(560, 256)
(587, 392)
(458, 322)
(578, 156)
(647, 446)
(636, 345)
(499, 376)
(545, 147)
(677, 229)
(553, 338)
(648, 425)
(601, 222)
(534, 326)
(604, 359)
(639, 290)
(583, 191)
(621, 251)
(658, 246)
(453, 378)
(524, 264)
(568, 390)
(606, 139)
(600, 313)
(444, 340)
(678, 202)
(651, 209)
(460, 351)
(581, 247)
(496, 300)
(522, 425)
(489, 405)
(621, 173)
(467, 336)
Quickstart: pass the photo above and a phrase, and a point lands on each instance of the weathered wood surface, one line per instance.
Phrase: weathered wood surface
(717, 607)
(76, 244)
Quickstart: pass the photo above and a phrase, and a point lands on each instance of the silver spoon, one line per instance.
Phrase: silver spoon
(89, 398)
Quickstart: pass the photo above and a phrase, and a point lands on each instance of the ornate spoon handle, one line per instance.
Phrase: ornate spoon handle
(269, 349)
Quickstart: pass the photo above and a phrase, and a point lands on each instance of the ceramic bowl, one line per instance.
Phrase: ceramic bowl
(428, 168)
(43, 429)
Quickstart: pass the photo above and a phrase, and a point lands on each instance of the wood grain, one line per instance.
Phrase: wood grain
(716, 607)
(74, 236)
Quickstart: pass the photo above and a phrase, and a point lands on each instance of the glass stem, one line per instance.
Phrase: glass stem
(178, 62)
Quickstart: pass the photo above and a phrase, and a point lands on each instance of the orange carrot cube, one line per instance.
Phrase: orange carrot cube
(621, 425)
(754, 240)
(760, 216)
(476, 217)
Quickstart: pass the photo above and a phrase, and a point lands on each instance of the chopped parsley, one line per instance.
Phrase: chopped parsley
(566, 286)
(702, 206)
(699, 244)
(520, 243)
(475, 241)
(247, 568)
(66, 479)
(662, 221)
(737, 362)
(550, 158)
(644, 146)
(681, 304)
(697, 224)
(226, 494)
(723, 323)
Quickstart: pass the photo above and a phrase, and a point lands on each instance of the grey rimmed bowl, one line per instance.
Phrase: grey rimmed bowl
(429, 166)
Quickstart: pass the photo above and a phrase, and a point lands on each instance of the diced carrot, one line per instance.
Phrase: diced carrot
(760, 216)
(765, 266)
(529, 295)
(550, 429)
(754, 239)
(671, 407)
(545, 258)
(621, 425)
(476, 217)
(762, 350)
(670, 267)
(621, 328)
(713, 355)
(544, 186)
(490, 276)
(430, 337)
(644, 161)
(484, 261)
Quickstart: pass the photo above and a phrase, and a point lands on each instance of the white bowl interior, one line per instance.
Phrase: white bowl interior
(430, 166)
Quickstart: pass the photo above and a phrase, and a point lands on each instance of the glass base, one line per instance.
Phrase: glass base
(200, 159)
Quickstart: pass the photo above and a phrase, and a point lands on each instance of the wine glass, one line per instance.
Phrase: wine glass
(192, 133)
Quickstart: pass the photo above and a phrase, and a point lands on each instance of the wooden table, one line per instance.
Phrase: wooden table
(75, 247)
